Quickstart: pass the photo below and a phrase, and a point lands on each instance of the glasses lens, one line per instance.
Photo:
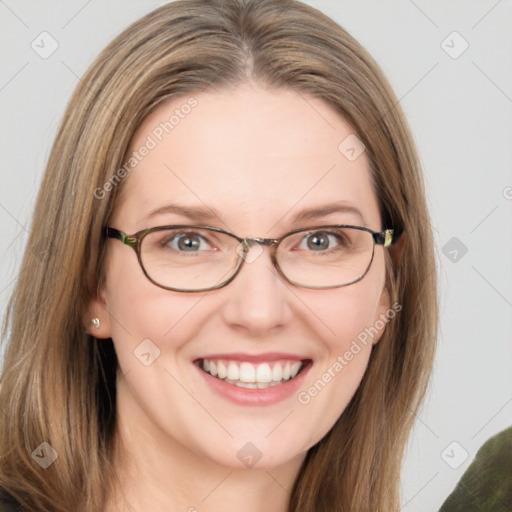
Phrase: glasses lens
(189, 258)
(326, 257)
(198, 258)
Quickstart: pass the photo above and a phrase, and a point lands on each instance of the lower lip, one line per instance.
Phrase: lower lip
(247, 396)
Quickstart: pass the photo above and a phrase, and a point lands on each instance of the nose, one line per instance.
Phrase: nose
(258, 299)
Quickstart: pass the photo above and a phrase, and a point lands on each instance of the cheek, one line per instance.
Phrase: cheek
(345, 314)
(347, 322)
(347, 334)
(335, 377)
(142, 313)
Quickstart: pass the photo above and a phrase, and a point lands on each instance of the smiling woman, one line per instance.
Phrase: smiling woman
(268, 333)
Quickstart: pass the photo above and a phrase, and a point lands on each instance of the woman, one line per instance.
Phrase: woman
(229, 280)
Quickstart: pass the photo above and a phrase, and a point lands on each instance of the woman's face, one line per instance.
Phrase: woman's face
(257, 158)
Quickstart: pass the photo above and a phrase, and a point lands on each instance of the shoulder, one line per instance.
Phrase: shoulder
(7, 502)
(486, 484)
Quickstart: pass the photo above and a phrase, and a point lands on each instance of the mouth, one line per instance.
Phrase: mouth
(249, 375)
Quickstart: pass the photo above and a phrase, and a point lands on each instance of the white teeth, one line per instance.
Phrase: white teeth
(277, 373)
(294, 369)
(221, 370)
(241, 384)
(247, 373)
(286, 371)
(232, 371)
(251, 385)
(250, 375)
(264, 373)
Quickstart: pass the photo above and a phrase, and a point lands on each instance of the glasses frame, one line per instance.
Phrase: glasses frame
(384, 238)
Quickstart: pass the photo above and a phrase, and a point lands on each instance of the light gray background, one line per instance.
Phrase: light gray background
(460, 113)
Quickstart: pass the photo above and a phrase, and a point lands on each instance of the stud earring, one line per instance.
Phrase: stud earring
(95, 322)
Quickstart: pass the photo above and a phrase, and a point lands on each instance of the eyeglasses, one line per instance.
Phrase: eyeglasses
(188, 258)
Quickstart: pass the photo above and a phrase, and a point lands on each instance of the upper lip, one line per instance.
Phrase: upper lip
(254, 358)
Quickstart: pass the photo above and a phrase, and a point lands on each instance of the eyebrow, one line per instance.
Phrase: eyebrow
(199, 213)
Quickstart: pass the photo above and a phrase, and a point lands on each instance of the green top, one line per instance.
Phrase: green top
(486, 486)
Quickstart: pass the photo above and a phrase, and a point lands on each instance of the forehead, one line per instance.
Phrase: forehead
(256, 156)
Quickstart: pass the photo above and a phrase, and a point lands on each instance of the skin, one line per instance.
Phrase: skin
(257, 156)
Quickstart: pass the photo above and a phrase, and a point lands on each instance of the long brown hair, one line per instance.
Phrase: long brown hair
(58, 383)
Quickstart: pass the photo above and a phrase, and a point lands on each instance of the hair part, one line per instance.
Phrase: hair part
(58, 383)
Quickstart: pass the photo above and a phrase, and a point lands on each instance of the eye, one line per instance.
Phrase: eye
(324, 240)
(186, 242)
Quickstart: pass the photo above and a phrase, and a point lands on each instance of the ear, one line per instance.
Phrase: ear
(383, 308)
(97, 308)
(396, 250)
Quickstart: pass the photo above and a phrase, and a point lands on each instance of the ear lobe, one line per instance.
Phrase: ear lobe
(396, 250)
(96, 319)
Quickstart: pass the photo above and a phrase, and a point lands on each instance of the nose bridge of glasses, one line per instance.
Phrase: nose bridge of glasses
(248, 241)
